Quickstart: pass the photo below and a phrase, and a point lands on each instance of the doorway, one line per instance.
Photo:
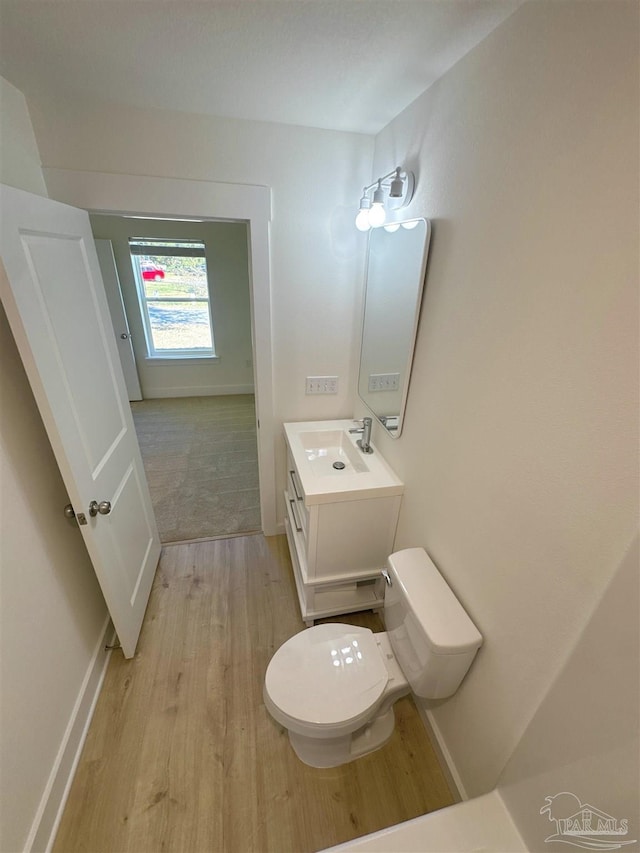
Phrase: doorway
(184, 289)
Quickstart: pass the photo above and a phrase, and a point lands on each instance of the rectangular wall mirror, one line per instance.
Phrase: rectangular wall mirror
(396, 265)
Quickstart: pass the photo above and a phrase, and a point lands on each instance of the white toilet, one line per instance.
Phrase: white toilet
(333, 686)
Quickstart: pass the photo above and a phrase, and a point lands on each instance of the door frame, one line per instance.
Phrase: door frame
(100, 192)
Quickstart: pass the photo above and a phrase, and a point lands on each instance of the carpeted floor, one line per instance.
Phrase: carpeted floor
(201, 460)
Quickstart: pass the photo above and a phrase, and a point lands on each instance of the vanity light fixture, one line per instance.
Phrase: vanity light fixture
(372, 213)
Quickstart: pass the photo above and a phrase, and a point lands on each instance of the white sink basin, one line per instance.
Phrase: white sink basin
(331, 447)
(317, 445)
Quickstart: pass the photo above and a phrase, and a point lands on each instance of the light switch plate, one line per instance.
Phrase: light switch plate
(384, 381)
(322, 385)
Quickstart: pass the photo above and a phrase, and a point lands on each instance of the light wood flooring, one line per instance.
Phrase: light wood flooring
(200, 456)
(182, 756)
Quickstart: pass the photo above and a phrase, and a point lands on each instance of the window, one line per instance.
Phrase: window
(173, 291)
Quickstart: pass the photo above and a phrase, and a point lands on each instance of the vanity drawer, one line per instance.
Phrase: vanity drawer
(296, 492)
(294, 514)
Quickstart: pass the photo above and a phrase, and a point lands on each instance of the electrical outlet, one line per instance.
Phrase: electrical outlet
(384, 381)
(322, 385)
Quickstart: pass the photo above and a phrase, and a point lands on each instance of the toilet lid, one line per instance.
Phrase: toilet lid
(328, 674)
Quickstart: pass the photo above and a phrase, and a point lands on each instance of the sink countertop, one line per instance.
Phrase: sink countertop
(377, 481)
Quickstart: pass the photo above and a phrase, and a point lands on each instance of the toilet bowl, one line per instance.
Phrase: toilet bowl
(333, 686)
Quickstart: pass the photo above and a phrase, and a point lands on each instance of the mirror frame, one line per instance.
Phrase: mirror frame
(395, 433)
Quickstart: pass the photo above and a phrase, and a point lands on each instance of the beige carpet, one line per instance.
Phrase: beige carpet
(201, 460)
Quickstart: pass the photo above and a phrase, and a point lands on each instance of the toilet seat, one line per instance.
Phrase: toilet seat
(326, 679)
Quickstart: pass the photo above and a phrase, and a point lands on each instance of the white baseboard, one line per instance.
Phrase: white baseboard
(49, 813)
(197, 391)
(444, 756)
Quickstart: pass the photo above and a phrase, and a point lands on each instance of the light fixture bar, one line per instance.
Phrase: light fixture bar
(396, 174)
(400, 186)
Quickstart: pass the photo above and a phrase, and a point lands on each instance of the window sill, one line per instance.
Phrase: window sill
(184, 360)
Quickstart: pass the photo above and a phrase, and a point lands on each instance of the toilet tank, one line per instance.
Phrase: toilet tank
(431, 634)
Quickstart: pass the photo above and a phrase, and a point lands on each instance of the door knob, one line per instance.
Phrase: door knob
(69, 512)
(104, 508)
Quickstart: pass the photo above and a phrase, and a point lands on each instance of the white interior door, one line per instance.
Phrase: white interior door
(56, 304)
(118, 314)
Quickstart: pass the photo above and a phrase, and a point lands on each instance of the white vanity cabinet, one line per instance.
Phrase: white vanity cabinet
(340, 526)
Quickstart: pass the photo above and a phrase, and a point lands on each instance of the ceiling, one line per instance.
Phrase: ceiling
(347, 65)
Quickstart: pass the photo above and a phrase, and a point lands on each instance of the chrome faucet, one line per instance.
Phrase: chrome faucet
(364, 443)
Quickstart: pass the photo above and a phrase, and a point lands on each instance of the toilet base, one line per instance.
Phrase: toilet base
(332, 752)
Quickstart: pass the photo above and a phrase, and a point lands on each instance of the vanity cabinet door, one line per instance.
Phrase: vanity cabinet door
(353, 536)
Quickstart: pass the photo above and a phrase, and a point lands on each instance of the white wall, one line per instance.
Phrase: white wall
(519, 448)
(317, 256)
(52, 614)
(584, 736)
(227, 264)
(19, 158)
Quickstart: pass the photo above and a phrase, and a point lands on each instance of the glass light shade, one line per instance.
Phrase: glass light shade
(362, 220)
(377, 215)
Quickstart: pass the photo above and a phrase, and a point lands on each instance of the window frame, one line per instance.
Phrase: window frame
(185, 248)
